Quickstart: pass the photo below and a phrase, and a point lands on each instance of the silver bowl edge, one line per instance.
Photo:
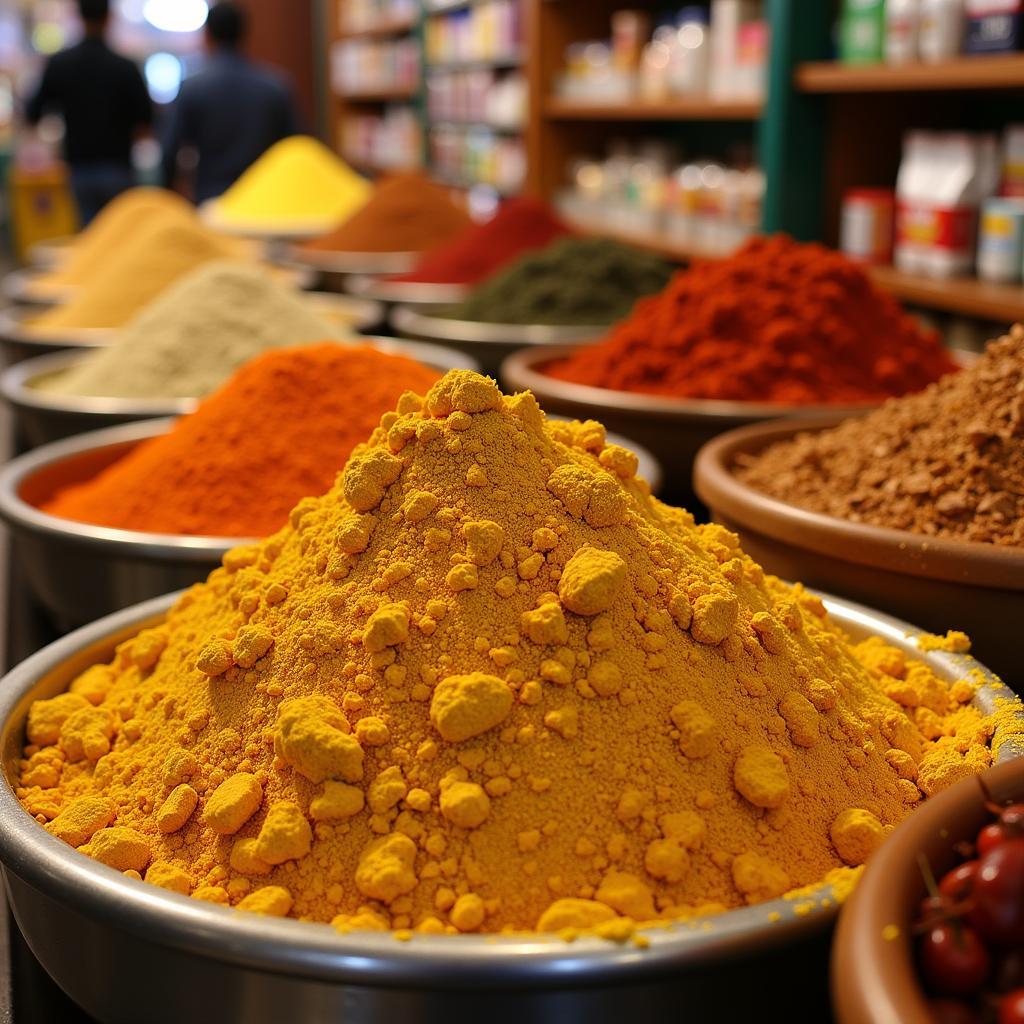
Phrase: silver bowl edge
(314, 950)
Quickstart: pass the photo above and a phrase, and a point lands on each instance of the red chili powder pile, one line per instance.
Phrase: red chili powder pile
(519, 226)
(406, 213)
(779, 321)
(281, 428)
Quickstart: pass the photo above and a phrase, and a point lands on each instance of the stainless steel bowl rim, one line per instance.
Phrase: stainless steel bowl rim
(444, 328)
(367, 312)
(17, 286)
(442, 962)
(160, 546)
(351, 262)
(521, 369)
(17, 381)
(385, 289)
(167, 547)
(17, 386)
(12, 328)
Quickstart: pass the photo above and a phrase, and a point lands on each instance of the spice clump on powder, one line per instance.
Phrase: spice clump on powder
(778, 321)
(488, 683)
(280, 429)
(948, 462)
(193, 336)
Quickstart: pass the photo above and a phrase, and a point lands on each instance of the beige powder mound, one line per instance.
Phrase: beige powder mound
(195, 335)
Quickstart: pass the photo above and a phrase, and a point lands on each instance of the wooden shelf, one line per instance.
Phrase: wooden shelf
(658, 242)
(402, 94)
(669, 110)
(981, 72)
(384, 27)
(372, 167)
(1000, 302)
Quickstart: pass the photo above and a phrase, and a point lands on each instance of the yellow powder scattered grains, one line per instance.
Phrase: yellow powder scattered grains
(485, 684)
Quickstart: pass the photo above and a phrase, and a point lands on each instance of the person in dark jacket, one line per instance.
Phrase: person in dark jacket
(105, 106)
(231, 112)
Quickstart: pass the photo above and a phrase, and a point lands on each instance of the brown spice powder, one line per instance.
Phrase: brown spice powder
(947, 462)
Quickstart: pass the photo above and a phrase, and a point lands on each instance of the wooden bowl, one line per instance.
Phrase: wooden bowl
(674, 429)
(874, 980)
(937, 583)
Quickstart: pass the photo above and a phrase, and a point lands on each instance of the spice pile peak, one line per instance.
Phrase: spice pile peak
(488, 683)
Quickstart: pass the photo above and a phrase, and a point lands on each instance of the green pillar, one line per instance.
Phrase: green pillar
(792, 130)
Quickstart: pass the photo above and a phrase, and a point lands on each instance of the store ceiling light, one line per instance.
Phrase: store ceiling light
(176, 15)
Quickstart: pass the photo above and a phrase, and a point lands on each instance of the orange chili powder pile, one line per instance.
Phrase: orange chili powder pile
(406, 213)
(779, 321)
(281, 428)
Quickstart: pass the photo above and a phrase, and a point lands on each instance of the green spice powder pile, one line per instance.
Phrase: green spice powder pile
(574, 281)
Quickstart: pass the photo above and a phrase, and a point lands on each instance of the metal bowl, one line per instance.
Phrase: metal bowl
(940, 582)
(405, 293)
(489, 343)
(51, 253)
(42, 416)
(20, 341)
(78, 571)
(22, 286)
(183, 959)
(673, 428)
(334, 267)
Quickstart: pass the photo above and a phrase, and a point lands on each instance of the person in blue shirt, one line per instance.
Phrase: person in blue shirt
(230, 113)
(105, 106)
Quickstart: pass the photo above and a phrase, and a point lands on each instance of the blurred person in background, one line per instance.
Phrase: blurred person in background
(231, 112)
(105, 105)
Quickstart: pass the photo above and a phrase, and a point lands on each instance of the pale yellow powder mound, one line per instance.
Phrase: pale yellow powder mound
(297, 184)
(488, 683)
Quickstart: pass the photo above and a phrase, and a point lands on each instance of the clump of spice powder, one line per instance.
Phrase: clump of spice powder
(779, 321)
(948, 462)
(487, 683)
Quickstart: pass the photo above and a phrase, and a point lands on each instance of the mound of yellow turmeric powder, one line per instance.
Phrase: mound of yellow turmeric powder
(488, 683)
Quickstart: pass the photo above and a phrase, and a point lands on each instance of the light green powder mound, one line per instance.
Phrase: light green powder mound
(191, 338)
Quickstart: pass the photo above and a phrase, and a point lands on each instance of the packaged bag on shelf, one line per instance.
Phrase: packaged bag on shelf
(994, 26)
(727, 19)
(862, 31)
(942, 180)
(1013, 161)
(902, 23)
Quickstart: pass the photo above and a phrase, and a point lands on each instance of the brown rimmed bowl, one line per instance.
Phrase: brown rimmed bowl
(674, 429)
(135, 946)
(874, 979)
(941, 584)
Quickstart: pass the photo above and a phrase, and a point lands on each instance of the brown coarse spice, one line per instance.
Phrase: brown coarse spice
(947, 462)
